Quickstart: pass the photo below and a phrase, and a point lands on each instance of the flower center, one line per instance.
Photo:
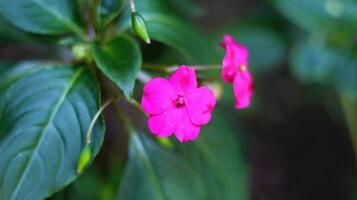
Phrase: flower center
(179, 101)
(243, 68)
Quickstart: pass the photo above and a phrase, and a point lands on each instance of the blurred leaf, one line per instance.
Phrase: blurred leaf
(41, 16)
(218, 156)
(266, 47)
(120, 60)
(9, 33)
(109, 9)
(349, 106)
(88, 186)
(98, 182)
(166, 27)
(187, 7)
(156, 173)
(311, 63)
(346, 75)
(315, 62)
(320, 15)
(45, 111)
(354, 187)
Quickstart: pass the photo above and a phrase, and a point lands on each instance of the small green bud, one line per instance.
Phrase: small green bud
(166, 142)
(84, 159)
(81, 52)
(139, 25)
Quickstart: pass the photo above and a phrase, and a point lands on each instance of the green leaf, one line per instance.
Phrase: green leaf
(166, 27)
(156, 173)
(41, 16)
(45, 111)
(346, 74)
(109, 9)
(10, 34)
(187, 7)
(316, 62)
(218, 155)
(320, 15)
(311, 63)
(120, 60)
(354, 188)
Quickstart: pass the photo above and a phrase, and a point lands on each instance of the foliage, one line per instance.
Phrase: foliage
(47, 106)
(43, 125)
(327, 55)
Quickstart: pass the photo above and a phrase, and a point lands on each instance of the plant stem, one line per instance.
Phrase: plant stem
(132, 6)
(96, 116)
(349, 106)
(137, 105)
(206, 67)
(173, 68)
(143, 77)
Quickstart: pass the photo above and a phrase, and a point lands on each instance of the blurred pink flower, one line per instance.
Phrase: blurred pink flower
(243, 88)
(235, 70)
(177, 105)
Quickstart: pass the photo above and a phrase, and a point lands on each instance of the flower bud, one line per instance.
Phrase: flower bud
(80, 52)
(165, 142)
(139, 25)
(216, 89)
(84, 159)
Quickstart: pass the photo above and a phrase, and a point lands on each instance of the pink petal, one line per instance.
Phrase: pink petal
(199, 105)
(164, 124)
(158, 96)
(184, 79)
(243, 89)
(185, 130)
(236, 56)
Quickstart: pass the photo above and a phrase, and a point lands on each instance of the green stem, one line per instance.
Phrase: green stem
(132, 6)
(206, 67)
(350, 110)
(144, 77)
(95, 118)
(173, 68)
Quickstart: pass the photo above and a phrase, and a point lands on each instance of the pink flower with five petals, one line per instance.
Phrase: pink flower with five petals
(177, 105)
(235, 70)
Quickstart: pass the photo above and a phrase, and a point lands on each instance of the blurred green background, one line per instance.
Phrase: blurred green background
(296, 141)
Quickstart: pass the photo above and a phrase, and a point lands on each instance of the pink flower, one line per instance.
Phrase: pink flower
(235, 70)
(243, 88)
(177, 105)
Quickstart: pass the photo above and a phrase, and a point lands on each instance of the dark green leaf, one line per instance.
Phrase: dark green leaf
(320, 15)
(120, 60)
(168, 28)
(346, 80)
(110, 9)
(354, 188)
(45, 111)
(9, 33)
(218, 156)
(311, 63)
(41, 16)
(187, 7)
(156, 173)
(317, 62)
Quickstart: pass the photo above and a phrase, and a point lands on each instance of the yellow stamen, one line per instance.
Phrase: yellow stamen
(243, 68)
